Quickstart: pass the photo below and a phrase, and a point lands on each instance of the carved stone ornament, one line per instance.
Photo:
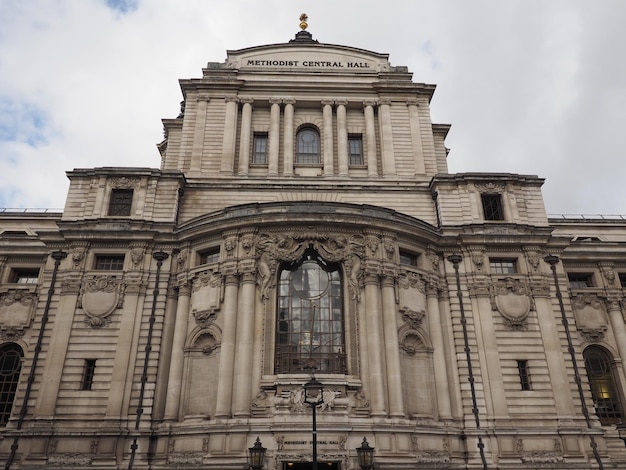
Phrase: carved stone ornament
(411, 342)
(99, 297)
(207, 343)
(412, 318)
(272, 249)
(512, 299)
(17, 307)
(70, 459)
(205, 318)
(491, 188)
(136, 256)
(591, 319)
(541, 457)
(433, 457)
(206, 278)
(123, 182)
(185, 458)
(11, 334)
(410, 279)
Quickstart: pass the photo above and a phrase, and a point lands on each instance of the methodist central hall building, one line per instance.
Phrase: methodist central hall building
(303, 223)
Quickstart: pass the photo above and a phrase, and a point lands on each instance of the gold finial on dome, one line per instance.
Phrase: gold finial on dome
(303, 23)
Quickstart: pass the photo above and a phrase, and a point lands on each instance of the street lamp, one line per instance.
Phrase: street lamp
(313, 397)
(256, 455)
(365, 453)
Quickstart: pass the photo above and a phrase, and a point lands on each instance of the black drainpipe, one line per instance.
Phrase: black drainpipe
(455, 260)
(159, 256)
(57, 256)
(552, 261)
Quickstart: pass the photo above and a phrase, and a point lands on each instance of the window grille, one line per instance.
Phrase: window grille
(121, 202)
(492, 206)
(10, 367)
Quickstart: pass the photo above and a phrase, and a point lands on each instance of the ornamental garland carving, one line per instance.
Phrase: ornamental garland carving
(206, 278)
(491, 188)
(513, 299)
(271, 249)
(99, 297)
(124, 182)
(24, 298)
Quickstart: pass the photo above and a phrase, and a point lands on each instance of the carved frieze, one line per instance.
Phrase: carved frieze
(124, 182)
(490, 187)
(99, 297)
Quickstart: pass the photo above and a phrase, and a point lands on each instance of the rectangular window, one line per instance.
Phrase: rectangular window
(210, 256)
(121, 202)
(89, 371)
(622, 280)
(524, 375)
(355, 150)
(407, 258)
(25, 276)
(109, 262)
(503, 266)
(259, 148)
(492, 206)
(579, 280)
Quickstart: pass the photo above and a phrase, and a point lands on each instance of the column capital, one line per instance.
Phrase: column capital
(327, 102)
(341, 102)
(231, 99)
(289, 100)
(384, 102)
(412, 102)
(246, 99)
(275, 101)
(367, 103)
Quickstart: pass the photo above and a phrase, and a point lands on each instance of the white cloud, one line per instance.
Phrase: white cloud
(529, 87)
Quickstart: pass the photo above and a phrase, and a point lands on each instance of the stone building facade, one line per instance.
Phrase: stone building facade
(303, 221)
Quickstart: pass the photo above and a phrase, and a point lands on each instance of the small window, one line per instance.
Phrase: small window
(407, 258)
(308, 146)
(355, 150)
(25, 276)
(579, 280)
(503, 266)
(492, 206)
(121, 202)
(109, 262)
(89, 371)
(210, 256)
(524, 375)
(259, 148)
(622, 280)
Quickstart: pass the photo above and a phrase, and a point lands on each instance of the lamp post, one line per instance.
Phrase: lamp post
(256, 455)
(365, 453)
(313, 397)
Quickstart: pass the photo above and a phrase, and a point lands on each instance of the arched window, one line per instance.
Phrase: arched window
(602, 382)
(10, 366)
(310, 326)
(308, 145)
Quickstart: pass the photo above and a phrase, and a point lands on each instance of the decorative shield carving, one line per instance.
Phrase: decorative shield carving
(591, 318)
(99, 297)
(512, 299)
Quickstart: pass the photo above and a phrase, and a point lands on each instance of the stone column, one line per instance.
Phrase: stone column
(288, 132)
(342, 138)
(370, 138)
(175, 380)
(198, 133)
(375, 348)
(245, 138)
(416, 137)
(386, 131)
(274, 137)
(227, 348)
(165, 356)
(392, 352)
(617, 325)
(327, 114)
(244, 347)
(228, 139)
(435, 320)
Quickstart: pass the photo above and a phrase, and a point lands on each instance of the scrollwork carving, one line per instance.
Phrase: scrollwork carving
(99, 297)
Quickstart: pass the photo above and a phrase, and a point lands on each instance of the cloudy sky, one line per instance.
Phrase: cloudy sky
(529, 86)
